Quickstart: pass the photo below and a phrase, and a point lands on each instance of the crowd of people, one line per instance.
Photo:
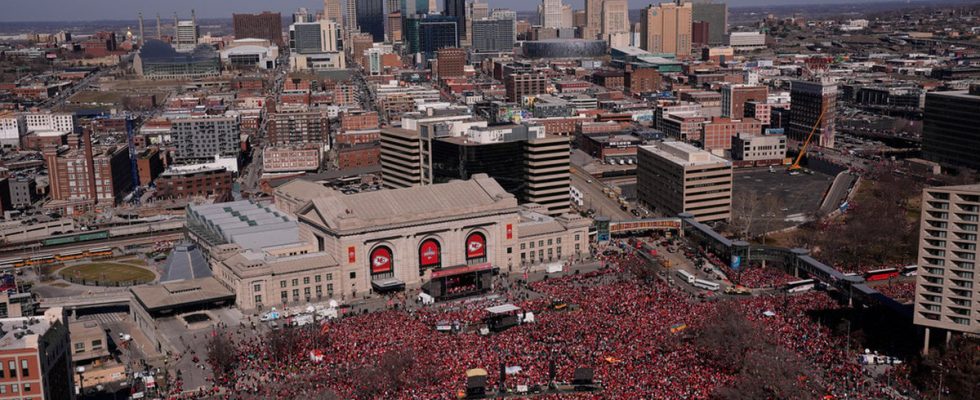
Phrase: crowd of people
(635, 335)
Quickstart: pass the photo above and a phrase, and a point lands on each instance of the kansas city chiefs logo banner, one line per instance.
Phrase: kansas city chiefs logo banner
(380, 260)
(475, 246)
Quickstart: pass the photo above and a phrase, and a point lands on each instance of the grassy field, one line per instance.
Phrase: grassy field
(107, 272)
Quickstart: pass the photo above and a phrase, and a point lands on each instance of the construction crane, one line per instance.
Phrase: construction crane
(806, 144)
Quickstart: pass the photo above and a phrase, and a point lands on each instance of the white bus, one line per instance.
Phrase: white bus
(706, 285)
(686, 276)
(800, 286)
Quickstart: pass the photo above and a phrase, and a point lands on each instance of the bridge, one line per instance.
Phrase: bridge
(118, 298)
(797, 261)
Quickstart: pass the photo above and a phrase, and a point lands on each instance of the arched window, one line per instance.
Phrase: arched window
(430, 255)
(382, 261)
(476, 248)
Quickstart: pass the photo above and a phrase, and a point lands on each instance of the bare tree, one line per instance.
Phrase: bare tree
(772, 372)
(222, 355)
(728, 337)
(745, 208)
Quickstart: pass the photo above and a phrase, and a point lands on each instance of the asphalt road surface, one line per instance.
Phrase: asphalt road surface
(595, 199)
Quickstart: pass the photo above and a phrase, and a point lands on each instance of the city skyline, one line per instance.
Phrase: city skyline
(96, 10)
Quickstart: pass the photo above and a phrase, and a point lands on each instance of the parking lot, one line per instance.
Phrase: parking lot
(783, 200)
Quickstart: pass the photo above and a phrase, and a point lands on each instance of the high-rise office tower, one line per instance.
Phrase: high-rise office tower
(187, 35)
(567, 16)
(526, 162)
(950, 134)
(412, 7)
(503, 13)
(370, 18)
(615, 17)
(593, 19)
(579, 19)
(493, 34)
(313, 37)
(716, 15)
(332, 11)
(551, 13)
(667, 29)
(266, 25)
(808, 101)
(393, 30)
(457, 9)
(426, 34)
(350, 17)
(475, 10)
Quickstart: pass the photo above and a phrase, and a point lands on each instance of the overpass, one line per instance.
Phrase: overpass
(797, 261)
(119, 298)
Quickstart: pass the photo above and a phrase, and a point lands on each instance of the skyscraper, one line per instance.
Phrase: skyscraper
(332, 11)
(503, 13)
(716, 15)
(551, 13)
(457, 9)
(593, 19)
(615, 17)
(667, 29)
(350, 17)
(493, 34)
(428, 33)
(567, 16)
(266, 25)
(370, 18)
(808, 101)
(475, 10)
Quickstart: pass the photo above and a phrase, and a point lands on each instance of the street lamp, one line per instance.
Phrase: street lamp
(81, 386)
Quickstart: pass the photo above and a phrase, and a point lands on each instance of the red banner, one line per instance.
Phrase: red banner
(381, 260)
(476, 246)
(351, 255)
(429, 253)
(510, 231)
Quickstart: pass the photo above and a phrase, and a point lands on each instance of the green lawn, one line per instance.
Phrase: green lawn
(107, 272)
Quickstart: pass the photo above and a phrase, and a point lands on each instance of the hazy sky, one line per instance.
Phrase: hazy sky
(82, 10)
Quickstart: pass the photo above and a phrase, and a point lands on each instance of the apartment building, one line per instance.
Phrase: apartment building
(947, 282)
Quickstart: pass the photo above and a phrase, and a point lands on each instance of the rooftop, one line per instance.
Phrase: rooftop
(338, 212)
(684, 154)
(247, 224)
(170, 294)
(185, 262)
(24, 332)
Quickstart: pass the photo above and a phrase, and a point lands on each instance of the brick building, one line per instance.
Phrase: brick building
(359, 156)
(358, 120)
(198, 181)
(35, 358)
(733, 98)
(452, 61)
(717, 134)
(642, 80)
(149, 165)
(609, 79)
(84, 173)
(519, 85)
